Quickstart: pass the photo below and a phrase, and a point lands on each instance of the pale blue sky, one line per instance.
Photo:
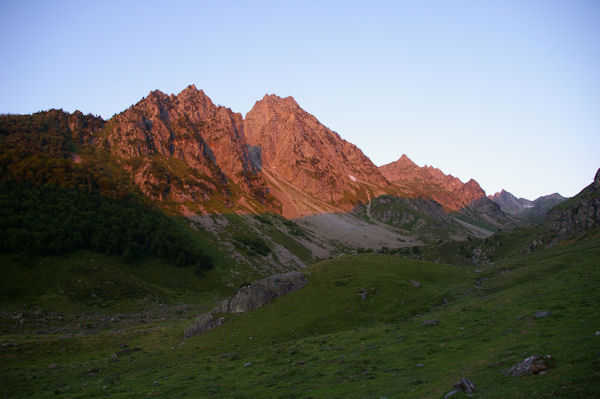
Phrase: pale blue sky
(505, 92)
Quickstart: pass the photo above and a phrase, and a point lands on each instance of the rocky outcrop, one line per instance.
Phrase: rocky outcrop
(535, 364)
(262, 292)
(203, 323)
(429, 182)
(301, 152)
(576, 216)
(247, 298)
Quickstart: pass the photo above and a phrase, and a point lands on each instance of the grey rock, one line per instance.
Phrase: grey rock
(203, 323)
(248, 297)
(466, 385)
(582, 214)
(247, 364)
(362, 294)
(597, 333)
(415, 283)
(542, 313)
(262, 292)
(453, 392)
(533, 364)
(433, 322)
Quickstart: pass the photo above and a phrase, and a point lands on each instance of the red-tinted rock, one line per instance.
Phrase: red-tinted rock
(300, 151)
(430, 182)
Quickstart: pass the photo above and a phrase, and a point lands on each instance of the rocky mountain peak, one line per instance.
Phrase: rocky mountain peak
(189, 127)
(597, 180)
(299, 150)
(431, 182)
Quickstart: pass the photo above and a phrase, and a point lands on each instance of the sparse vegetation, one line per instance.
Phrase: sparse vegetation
(251, 245)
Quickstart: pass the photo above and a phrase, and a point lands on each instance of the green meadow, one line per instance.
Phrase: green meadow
(88, 325)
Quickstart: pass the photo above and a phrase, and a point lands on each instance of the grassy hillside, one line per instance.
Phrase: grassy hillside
(326, 341)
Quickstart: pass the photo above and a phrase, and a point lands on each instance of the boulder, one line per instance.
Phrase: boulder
(415, 283)
(262, 292)
(204, 322)
(534, 364)
(248, 297)
(542, 314)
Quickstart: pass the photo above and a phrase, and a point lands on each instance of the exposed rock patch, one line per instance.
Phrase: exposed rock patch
(534, 364)
(578, 215)
(262, 292)
(248, 297)
(542, 313)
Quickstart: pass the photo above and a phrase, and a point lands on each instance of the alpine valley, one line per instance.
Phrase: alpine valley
(179, 249)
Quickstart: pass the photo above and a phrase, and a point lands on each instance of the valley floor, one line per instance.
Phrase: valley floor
(362, 328)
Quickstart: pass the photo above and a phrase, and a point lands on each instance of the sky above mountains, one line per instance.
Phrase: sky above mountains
(506, 93)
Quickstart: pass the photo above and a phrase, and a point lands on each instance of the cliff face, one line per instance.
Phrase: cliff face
(183, 147)
(577, 215)
(298, 150)
(430, 182)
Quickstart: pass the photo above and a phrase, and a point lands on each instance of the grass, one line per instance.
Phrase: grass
(325, 341)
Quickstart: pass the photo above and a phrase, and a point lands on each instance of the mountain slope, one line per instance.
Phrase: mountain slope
(509, 203)
(576, 216)
(298, 151)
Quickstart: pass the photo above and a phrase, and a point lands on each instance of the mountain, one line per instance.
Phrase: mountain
(430, 182)
(185, 149)
(309, 168)
(509, 203)
(576, 216)
(525, 210)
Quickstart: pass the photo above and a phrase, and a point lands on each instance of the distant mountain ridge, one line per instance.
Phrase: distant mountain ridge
(429, 182)
(524, 209)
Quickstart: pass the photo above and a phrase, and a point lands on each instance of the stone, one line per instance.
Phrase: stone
(466, 385)
(262, 292)
(247, 364)
(415, 283)
(542, 314)
(531, 365)
(362, 294)
(248, 297)
(204, 322)
(597, 333)
(453, 392)
(433, 322)
(52, 366)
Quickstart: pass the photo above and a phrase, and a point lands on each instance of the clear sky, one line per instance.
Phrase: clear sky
(505, 92)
